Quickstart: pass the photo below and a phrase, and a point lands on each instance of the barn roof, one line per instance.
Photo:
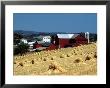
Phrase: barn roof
(67, 35)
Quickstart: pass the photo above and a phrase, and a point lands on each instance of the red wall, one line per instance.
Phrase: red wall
(63, 42)
(52, 47)
(37, 46)
(80, 38)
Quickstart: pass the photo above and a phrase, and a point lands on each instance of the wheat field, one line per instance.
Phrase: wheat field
(81, 60)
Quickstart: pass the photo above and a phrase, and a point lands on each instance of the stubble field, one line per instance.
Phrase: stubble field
(81, 60)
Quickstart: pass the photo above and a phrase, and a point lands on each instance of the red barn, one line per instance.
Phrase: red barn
(66, 40)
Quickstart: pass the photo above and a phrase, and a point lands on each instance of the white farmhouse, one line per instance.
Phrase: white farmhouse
(47, 39)
(24, 40)
(31, 43)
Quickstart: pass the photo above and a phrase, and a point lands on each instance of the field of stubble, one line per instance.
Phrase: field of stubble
(81, 60)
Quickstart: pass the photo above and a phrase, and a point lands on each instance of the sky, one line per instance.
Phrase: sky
(55, 22)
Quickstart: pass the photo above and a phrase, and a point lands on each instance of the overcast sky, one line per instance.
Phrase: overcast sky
(55, 22)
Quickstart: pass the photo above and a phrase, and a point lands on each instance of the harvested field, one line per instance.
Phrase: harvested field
(81, 60)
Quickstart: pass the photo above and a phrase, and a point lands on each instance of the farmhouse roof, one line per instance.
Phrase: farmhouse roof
(42, 36)
(30, 43)
(47, 36)
(67, 35)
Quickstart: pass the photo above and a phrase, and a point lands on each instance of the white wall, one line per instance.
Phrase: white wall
(46, 39)
(24, 40)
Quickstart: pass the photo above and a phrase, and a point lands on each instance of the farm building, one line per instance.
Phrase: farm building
(43, 38)
(66, 40)
(31, 45)
(29, 42)
(47, 39)
(24, 40)
(36, 45)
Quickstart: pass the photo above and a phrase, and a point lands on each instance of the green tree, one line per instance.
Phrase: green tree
(21, 49)
(17, 38)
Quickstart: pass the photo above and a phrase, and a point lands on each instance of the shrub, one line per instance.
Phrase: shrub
(21, 49)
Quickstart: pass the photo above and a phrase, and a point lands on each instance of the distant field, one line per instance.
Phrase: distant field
(81, 60)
